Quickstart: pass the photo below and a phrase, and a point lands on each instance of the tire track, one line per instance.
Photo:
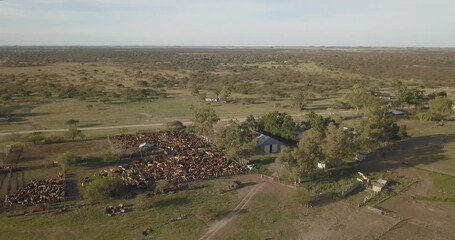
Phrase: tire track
(221, 223)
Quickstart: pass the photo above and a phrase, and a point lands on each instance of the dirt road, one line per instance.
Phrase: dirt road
(151, 125)
(210, 234)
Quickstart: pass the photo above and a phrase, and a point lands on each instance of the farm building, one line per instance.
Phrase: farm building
(321, 165)
(377, 185)
(269, 144)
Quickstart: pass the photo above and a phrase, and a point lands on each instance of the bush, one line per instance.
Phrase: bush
(402, 132)
(175, 125)
(35, 138)
(68, 159)
(144, 202)
(160, 186)
(54, 139)
(104, 188)
(39, 138)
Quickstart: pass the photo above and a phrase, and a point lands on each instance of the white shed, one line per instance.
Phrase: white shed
(321, 165)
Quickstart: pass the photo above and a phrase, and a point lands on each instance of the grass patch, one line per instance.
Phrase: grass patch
(91, 222)
(267, 217)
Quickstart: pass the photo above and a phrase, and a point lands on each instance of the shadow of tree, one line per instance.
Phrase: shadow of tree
(22, 117)
(423, 150)
(178, 201)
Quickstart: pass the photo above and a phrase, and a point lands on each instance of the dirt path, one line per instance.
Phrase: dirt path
(124, 126)
(72, 191)
(210, 234)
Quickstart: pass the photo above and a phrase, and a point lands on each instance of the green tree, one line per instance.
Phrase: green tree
(287, 164)
(160, 186)
(203, 120)
(277, 124)
(378, 127)
(300, 99)
(360, 97)
(69, 159)
(337, 145)
(250, 122)
(237, 141)
(403, 133)
(415, 97)
(225, 93)
(104, 188)
(309, 152)
(410, 96)
(74, 133)
(440, 107)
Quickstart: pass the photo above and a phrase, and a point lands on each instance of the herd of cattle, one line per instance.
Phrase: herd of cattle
(186, 158)
(37, 191)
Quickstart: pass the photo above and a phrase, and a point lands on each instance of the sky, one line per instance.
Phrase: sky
(375, 23)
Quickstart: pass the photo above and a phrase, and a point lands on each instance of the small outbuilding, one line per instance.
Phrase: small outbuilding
(378, 185)
(321, 165)
(269, 144)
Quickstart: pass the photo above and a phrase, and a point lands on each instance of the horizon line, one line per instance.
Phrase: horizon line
(221, 46)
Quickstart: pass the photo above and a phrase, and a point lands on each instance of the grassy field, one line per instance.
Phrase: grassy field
(176, 106)
(431, 148)
(444, 185)
(91, 222)
(261, 83)
(270, 216)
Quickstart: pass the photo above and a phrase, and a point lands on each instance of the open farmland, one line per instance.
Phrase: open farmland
(191, 181)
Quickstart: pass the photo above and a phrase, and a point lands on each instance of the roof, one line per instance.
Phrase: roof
(263, 139)
(379, 183)
(398, 112)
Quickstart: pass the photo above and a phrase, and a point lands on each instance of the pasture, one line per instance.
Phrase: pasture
(108, 90)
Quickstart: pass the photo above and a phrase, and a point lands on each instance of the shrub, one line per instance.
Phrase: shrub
(68, 159)
(160, 186)
(403, 133)
(175, 125)
(104, 188)
(54, 139)
(35, 138)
